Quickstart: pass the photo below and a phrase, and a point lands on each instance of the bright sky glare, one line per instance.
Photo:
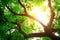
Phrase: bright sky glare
(39, 13)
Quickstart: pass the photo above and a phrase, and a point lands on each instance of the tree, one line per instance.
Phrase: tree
(19, 14)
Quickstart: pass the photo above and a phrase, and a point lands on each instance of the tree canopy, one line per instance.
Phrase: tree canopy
(29, 19)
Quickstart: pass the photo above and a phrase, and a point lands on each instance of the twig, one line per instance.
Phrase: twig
(25, 10)
(11, 10)
(14, 13)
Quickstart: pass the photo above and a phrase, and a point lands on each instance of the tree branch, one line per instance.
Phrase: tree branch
(36, 20)
(19, 29)
(43, 34)
(52, 36)
(25, 10)
(14, 13)
(27, 15)
(28, 35)
(36, 35)
(52, 15)
(11, 10)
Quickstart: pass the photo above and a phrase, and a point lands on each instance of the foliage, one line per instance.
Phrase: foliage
(6, 17)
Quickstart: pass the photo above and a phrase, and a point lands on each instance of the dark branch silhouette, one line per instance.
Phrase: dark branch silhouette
(14, 13)
(43, 34)
(28, 35)
(25, 10)
(19, 29)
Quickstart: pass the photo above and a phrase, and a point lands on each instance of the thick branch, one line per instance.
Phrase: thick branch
(36, 35)
(52, 14)
(28, 35)
(52, 36)
(43, 34)
(23, 6)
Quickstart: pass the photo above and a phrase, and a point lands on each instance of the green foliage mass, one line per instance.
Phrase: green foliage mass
(6, 17)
